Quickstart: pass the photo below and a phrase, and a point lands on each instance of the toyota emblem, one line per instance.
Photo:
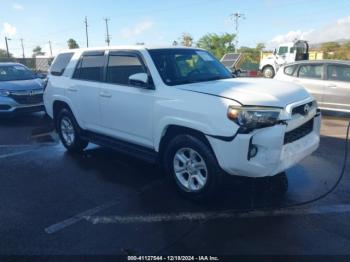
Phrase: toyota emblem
(307, 109)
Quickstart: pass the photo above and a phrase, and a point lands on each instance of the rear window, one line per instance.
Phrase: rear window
(339, 73)
(60, 64)
(91, 67)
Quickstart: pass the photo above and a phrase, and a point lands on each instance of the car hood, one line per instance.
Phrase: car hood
(20, 85)
(252, 91)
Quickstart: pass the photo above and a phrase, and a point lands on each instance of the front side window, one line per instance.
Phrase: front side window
(121, 67)
(183, 66)
(311, 71)
(283, 50)
(60, 64)
(90, 68)
(339, 73)
(15, 73)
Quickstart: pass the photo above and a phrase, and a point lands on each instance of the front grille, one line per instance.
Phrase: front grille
(299, 132)
(27, 99)
(302, 110)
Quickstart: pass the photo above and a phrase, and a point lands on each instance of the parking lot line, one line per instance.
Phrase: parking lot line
(70, 221)
(195, 216)
(15, 153)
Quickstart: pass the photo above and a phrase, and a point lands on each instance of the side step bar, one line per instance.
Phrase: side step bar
(137, 151)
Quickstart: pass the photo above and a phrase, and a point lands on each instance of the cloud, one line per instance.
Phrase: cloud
(9, 30)
(17, 7)
(138, 29)
(337, 30)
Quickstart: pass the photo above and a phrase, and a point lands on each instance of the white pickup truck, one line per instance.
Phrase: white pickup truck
(181, 107)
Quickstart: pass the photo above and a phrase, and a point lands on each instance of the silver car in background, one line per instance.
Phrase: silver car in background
(21, 90)
(327, 80)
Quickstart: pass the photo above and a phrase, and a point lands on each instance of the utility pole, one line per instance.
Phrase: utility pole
(22, 48)
(7, 46)
(50, 48)
(86, 32)
(235, 17)
(108, 37)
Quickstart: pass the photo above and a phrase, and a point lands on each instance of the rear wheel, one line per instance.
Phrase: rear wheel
(69, 131)
(269, 72)
(193, 167)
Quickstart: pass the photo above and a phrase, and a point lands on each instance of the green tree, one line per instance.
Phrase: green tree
(72, 44)
(217, 44)
(330, 46)
(3, 53)
(186, 40)
(252, 55)
(38, 51)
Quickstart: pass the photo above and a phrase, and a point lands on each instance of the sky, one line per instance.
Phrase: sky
(156, 22)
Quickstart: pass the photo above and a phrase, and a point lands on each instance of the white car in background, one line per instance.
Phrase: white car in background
(327, 80)
(181, 107)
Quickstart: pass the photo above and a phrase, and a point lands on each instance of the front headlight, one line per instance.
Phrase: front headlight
(250, 118)
(4, 93)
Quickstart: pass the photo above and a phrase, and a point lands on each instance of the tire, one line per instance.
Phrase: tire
(187, 158)
(269, 72)
(70, 137)
(279, 185)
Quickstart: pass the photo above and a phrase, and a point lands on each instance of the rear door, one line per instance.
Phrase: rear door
(83, 90)
(311, 76)
(337, 87)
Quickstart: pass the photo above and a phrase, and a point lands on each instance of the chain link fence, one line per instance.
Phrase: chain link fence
(36, 64)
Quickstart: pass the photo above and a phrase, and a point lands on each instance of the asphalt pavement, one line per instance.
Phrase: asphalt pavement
(102, 202)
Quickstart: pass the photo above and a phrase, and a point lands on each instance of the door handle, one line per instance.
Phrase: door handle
(72, 89)
(106, 95)
(332, 86)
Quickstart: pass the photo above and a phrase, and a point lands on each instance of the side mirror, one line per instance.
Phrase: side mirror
(140, 80)
(275, 52)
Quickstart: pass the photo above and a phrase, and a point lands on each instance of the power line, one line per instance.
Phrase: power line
(236, 17)
(86, 31)
(108, 37)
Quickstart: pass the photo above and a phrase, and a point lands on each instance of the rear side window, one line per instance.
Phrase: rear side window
(90, 68)
(289, 70)
(121, 67)
(311, 71)
(338, 73)
(60, 64)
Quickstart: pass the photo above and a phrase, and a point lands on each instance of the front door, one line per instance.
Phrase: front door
(126, 110)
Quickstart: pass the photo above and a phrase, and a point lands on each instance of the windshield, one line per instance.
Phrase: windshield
(183, 66)
(15, 72)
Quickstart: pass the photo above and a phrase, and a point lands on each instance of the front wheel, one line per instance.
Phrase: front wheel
(269, 72)
(69, 131)
(193, 167)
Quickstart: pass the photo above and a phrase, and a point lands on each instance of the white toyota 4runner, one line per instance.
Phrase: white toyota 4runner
(182, 108)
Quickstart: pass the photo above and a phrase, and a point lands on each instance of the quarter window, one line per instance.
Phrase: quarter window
(338, 73)
(90, 68)
(311, 71)
(289, 70)
(60, 64)
(121, 67)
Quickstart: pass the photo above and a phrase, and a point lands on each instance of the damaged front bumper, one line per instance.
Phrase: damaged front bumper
(275, 148)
